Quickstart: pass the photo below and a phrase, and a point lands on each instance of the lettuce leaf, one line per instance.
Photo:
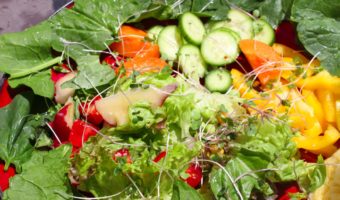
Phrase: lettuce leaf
(264, 152)
(100, 172)
(44, 176)
(182, 191)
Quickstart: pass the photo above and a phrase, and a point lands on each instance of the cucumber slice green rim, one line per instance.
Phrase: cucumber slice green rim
(192, 28)
(191, 62)
(264, 32)
(219, 48)
(218, 80)
(239, 22)
(233, 33)
(154, 32)
(169, 42)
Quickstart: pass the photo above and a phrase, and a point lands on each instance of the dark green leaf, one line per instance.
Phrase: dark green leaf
(316, 9)
(41, 83)
(15, 137)
(91, 74)
(90, 25)
(321, 37)
(26, 53)
(43, 177)
(217, 10)
(182, 191)
(273, 11)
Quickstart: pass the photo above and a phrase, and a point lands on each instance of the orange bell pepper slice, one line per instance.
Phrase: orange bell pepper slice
(143, 65)
(132, 43)
(262, 58)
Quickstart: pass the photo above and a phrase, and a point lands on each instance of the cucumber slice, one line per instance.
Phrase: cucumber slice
(191, 62)
(169, 42)
(233, 33)
(264, 32)
(239, 22)
(219, 48)
(154, 32)
(218, 80)
(192, 28)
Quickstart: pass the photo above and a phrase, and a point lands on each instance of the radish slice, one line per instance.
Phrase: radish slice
(61, 95)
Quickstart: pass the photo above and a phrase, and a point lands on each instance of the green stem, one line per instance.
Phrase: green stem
(36, 68)
(6, 166)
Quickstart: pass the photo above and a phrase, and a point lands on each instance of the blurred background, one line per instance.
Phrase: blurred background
(16, 15)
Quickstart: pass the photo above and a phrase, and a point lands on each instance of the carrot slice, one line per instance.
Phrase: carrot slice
(131, 41)
(143, 65)
(262, 58)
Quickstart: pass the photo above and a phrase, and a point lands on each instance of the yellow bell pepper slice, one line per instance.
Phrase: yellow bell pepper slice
(285, 51)
(322, 81)
(239, 83)
(337, 109)
(327, 100)
(330, 136)
(301, 114)
(311, 99)
(327, 151)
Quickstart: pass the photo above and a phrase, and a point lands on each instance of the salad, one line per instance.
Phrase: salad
(173, 99)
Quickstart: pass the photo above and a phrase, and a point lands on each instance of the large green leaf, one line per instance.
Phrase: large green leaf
(90, 25)
(15, 137)
(24, 54)
(91, 74)
(316, 9)
(43, 177)
(319, 30)
(273, 11)
(41, 83)
(321, 37)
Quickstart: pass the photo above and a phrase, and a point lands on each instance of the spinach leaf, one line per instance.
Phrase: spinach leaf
(90, 25)
(91, 74)
(36, 181)
(316, 9)
(319, 30)
(41, 83)
(182, 191)
(15, 139)
(217, 10)
(273, 11)
(321, 37)
(19, 130)
(27, 53)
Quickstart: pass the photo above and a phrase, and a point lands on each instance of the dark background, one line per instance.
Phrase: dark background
(16, 15)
